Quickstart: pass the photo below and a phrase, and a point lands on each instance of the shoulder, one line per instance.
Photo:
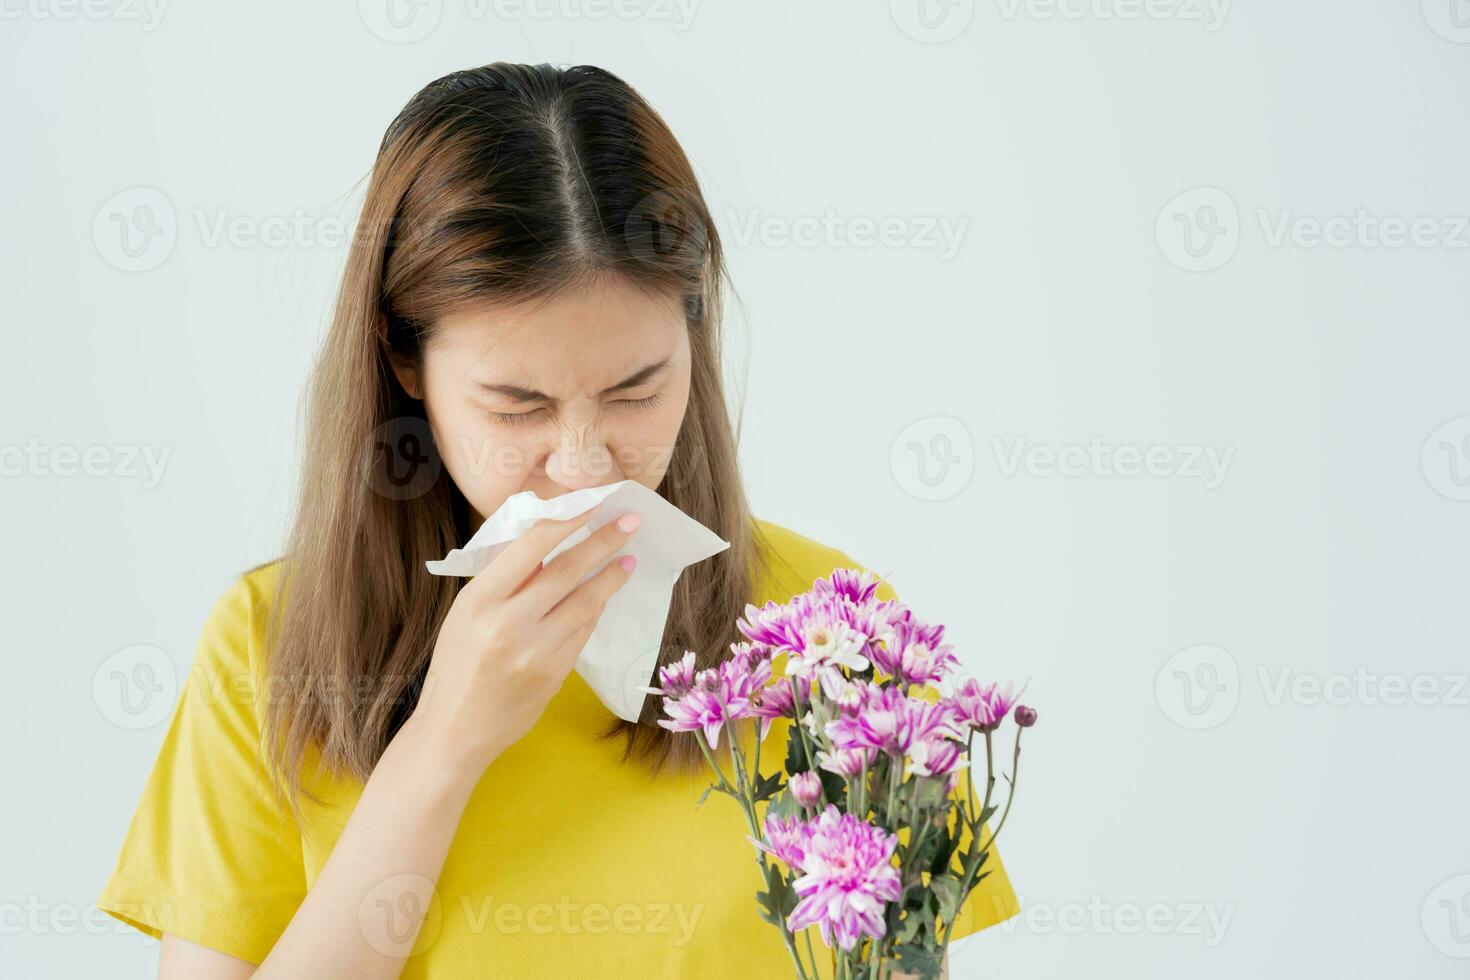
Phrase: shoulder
(234, 633)
(790, 562)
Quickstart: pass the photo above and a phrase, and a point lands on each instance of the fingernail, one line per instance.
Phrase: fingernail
(628, 562)
(628, 522)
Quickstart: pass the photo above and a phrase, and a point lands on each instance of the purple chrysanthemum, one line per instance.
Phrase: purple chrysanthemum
(786, 838)
(675, 679)
(834, 626)
(847, 763)
(778, 701)
(890, 721)
(719, 695)
(936, 757)
(847, 876)
(915, 652)
(980, 706)
(852, 584)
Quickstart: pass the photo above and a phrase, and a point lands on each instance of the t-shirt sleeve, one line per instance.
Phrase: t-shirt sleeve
(993, 900)
(209, 856)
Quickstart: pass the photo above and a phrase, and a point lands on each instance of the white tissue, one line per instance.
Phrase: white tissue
(621, 654)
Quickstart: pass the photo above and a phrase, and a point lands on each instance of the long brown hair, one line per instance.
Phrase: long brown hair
(504, 182)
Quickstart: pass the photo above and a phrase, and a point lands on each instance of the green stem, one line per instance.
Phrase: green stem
(748, 806)
(1011, 794)
(970, 758)
(806, 737)
(977, 828)
(919, 831)
(709, 757)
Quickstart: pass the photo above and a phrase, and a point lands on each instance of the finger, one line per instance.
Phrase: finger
(564, 657)
(522, 558)
(566, 571)
(585, 604)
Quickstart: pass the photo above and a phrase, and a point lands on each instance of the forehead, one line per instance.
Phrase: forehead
(580, 339)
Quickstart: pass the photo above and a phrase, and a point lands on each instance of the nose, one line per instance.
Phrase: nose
(581, 464)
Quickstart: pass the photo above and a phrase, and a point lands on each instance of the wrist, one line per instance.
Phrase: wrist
(448, 760)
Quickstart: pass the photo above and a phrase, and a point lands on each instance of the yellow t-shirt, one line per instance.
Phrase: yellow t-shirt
(566, 863)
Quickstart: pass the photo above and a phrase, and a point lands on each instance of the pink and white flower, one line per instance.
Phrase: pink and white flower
(980, 706)
(675, 679)
(720, 694)
(915, 652)
(847, 763)
(935, 757)
(847, 875)
(891, 722)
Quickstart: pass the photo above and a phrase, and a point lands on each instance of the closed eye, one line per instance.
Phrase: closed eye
(518, 418)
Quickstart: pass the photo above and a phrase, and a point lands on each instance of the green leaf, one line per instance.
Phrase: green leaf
(944, 848)
(784, 806)
(947, 891)
(922, 961)
(834, 787)
(796, 758)
(779, 900)
(934, 844)
(766, 786)
(932, 791)
(711, 788)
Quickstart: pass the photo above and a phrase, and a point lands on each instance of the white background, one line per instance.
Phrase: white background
(1181, 813)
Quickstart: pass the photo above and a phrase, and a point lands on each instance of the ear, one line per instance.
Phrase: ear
(408, 375)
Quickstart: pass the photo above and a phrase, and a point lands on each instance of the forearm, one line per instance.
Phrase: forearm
(355, 919)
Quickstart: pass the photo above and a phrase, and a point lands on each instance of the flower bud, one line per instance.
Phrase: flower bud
(1025, 717)
(806, 789)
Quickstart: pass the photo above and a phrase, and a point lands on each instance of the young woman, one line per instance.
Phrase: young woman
(377, 772)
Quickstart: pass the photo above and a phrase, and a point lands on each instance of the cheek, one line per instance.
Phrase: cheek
(644, 444)
(483, 458)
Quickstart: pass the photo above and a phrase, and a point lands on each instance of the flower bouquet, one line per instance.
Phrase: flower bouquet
(869, 842)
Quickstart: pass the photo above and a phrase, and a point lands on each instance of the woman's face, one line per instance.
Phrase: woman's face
(585, 389)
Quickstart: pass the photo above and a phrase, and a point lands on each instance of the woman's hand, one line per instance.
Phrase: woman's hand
(512, 636)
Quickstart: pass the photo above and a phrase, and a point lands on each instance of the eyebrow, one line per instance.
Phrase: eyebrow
(522, 394)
